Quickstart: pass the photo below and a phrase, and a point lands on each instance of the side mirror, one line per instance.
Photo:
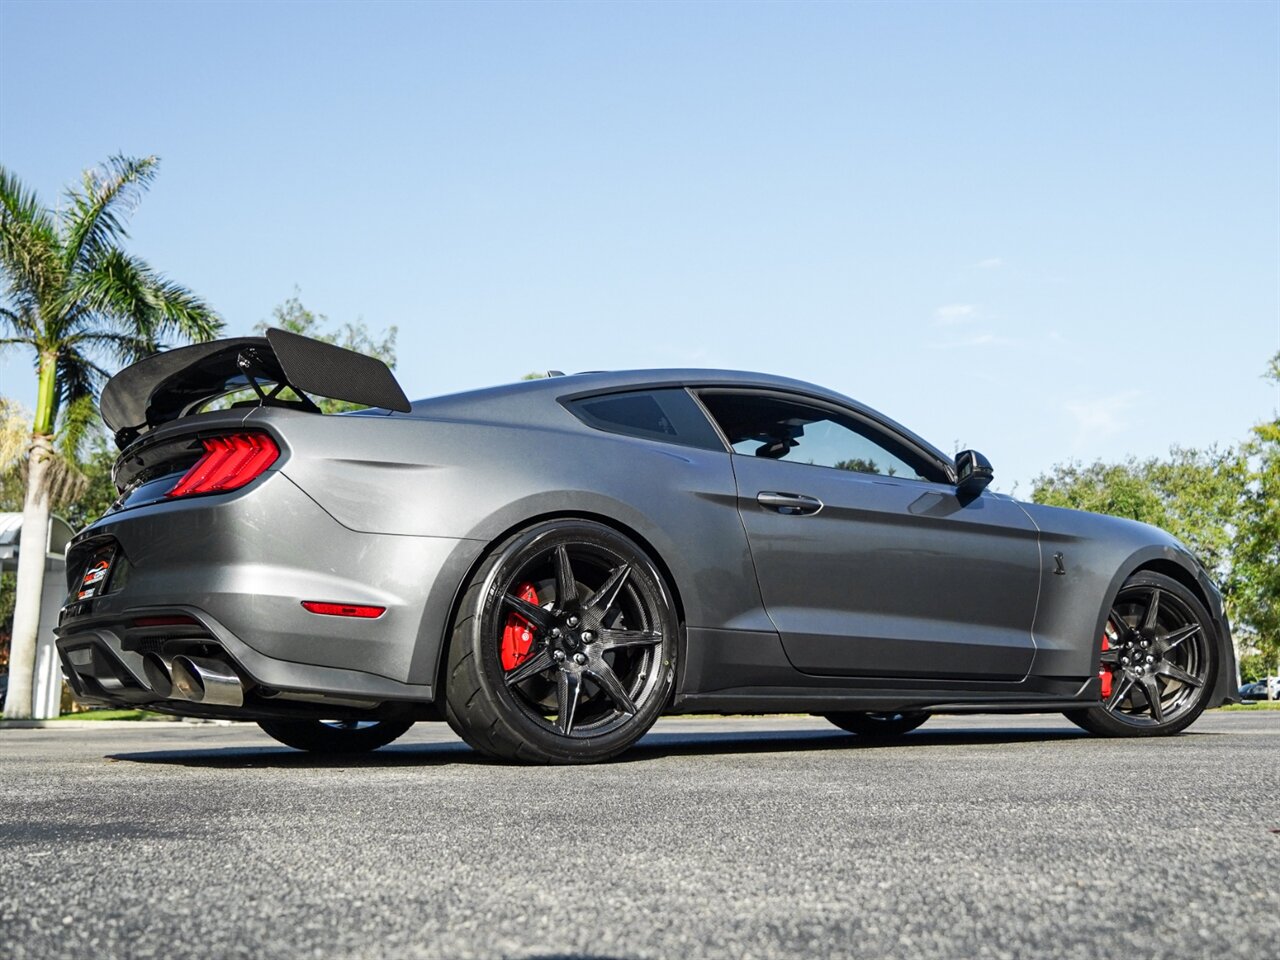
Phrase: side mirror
(973, 473)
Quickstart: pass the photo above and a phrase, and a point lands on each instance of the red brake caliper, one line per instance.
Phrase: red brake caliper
(1104, 671)
(517, 637)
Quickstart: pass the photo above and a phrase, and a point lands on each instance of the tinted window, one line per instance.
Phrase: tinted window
(758, 425)
(669, 414)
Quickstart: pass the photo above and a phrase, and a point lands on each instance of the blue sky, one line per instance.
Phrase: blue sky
(1045, 230)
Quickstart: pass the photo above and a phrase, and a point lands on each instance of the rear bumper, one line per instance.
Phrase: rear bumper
(103, 661)
(240, 565)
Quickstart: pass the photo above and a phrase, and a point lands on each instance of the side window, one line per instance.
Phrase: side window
(670, 415)
(760, 425)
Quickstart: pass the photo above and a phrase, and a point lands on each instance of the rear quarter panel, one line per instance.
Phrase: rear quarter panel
(480, 479)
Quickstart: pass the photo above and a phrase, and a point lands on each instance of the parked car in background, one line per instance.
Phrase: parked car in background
(1257, 690)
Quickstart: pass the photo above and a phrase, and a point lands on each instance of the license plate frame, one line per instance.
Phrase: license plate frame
(96, 574)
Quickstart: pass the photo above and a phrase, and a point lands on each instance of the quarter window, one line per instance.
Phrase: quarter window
(670, 415)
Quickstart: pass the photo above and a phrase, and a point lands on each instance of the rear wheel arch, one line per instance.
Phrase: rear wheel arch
(607, 634)
(673, 588)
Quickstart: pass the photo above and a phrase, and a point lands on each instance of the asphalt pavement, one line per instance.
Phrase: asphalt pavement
(782, 837)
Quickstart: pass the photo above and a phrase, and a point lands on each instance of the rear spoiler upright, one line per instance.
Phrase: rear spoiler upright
(175, 383)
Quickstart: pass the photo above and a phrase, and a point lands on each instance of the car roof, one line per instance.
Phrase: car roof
(512, 401)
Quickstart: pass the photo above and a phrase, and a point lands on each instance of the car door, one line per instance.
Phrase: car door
(868, 562)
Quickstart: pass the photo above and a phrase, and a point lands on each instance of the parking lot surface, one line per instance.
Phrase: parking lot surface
(779, 837)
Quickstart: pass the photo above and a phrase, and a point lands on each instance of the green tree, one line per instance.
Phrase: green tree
(1194, 494)
(15, 431)
(76, 299)
(295, 318)
(859, 465)
(1257, 545)
(99, 491)
(79, 492)
(15, 436)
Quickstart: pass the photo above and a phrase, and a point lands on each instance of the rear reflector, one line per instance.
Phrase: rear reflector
(228, 463)
(343, 609)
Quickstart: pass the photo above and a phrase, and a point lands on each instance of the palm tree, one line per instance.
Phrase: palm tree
(76, 300)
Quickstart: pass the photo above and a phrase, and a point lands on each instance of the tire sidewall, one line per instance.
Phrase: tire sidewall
(1101, 720)
(490, 614)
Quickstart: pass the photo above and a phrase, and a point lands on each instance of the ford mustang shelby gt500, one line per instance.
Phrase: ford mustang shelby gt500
(552, 564)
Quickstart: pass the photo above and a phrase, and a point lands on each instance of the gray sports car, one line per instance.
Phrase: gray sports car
(552, 564)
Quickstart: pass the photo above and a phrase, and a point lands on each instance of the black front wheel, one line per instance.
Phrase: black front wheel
(1157, 661)
(893, 724)
(335, 736)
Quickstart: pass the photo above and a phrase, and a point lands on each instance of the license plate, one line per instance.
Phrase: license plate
(94, 579)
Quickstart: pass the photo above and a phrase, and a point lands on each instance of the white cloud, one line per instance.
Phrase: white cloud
(986, 339)
(954, 313)
(991, 263)
(1099, 417)
(983, 339)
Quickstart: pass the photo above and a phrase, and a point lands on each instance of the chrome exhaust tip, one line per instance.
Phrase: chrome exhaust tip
(159, 675)
(203, 680)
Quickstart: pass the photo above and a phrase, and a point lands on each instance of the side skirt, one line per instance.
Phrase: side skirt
(876, 703)
(739, 671)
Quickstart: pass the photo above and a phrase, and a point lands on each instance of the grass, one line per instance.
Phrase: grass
(1257, 705)
(114, 715)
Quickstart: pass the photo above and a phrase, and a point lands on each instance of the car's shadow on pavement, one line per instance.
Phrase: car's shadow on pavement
(654, 746)
(241, 758)
(699, 744)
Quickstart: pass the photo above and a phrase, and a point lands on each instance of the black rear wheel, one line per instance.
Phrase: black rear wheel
(1157, 661)
(563, 650)
(893, 724)
(335, 736)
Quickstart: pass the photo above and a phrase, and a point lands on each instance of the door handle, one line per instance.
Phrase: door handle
(790, 504)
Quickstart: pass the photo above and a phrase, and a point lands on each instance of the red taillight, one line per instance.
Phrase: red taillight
(344, 609)
(228, 463)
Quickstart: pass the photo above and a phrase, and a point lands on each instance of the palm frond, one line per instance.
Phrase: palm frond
(30, 249)
(123, 348)
(125, 291)
(15, 432)
(114, 289)
(16, 341)
(23, 322)
(64, 482)
(93, 221)
(181, 312)
(77, 377)
(78, 422)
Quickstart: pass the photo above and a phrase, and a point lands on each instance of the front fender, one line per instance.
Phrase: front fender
(1086, 558)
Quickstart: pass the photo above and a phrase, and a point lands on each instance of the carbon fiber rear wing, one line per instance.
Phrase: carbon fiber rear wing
(177, 383)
